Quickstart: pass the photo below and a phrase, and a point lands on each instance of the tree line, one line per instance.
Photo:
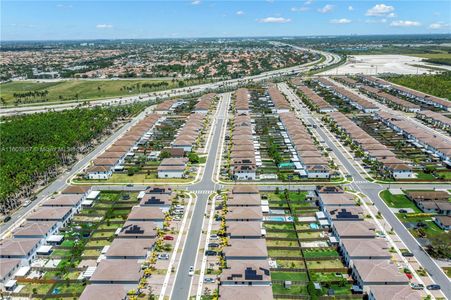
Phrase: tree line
(34, 148)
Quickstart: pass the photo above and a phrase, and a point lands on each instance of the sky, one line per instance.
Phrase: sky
(85, 19)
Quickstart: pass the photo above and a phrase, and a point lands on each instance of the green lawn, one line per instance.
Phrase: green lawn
(279, 226)
(430, 230)
(291, 264)
(286, 234)
(325, 277)
(320, 253)
(279, 289)
(41, 288)
(98, 243)
(273, 243)
(91, 252)
(309, 235)
(284, 253)
(319, 264)
(293, 276)
(72, 288)
(73, 90)
(344, 289)
(139, 178)
(398, 201)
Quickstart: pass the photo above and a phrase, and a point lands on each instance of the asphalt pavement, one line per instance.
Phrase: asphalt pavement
(183, 280)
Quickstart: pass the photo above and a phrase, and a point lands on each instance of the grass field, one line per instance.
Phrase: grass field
(73, 90)
(433, 55)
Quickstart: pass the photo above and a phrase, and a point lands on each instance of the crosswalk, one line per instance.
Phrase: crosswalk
(204, 192)
(361, 181)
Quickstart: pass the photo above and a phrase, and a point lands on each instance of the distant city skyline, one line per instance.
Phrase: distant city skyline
(80, 20)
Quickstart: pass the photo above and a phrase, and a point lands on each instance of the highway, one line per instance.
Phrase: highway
(329, 59)
(372, 190)
(182, 284)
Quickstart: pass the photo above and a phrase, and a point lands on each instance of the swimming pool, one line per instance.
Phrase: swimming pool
(276, 219)
(280, 219)
(314, 226)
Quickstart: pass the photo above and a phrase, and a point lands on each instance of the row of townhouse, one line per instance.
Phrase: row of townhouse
(242, 97)
(347, 81)
(372, 148)
(435, 118)
(407, 92)
(281, 104)
(318, 102)
(347, 96)
(118, 269)
(389, 99)
(166, 107)
(204, 103)
(112, 159)
(243, 149)
(174, 167)
(247, 275)
(366, 254)
(188, 136)
(439, 146)
(305, 155)
(39, 233)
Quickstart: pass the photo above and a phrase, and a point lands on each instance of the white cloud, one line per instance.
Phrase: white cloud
(391, 15)
(274, 20)
(401, 23)
(327, 8)
(308, 2)
(438, 25)
(340, 21)
(239, 13)
(380, 10)
(195, 2)
(350, 8)
(104, 26)
(300, 9)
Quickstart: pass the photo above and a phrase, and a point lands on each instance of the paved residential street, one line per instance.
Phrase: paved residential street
(183, 280)
(372, 190)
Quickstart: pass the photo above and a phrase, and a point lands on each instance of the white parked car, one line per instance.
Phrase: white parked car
(163, 256)
(26, 203)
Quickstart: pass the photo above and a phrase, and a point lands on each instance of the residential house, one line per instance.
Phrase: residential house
(238, 292)
(444, 222)
(117, 271)
(246, 249)
(378, 272)
(105, 292)
(252, 273)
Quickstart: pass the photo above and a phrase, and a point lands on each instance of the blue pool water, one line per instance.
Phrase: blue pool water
(56, 291)
(314, 226)
(280, 219)
(276, 219)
